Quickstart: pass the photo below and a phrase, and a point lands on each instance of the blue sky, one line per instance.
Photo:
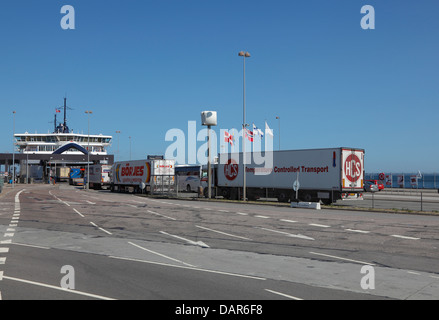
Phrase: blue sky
(144, 67)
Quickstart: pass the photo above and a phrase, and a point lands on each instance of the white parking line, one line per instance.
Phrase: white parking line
(319, 225)
(341, 258)
(300, 236)
(357, 231)
(191, 268)
(107, 232)
(404, 237)
(58, 288)
(161, 215)
(224, 233)
(159, 254)
(286, 220)
(284, 295)
(78, 213)
(194, 243)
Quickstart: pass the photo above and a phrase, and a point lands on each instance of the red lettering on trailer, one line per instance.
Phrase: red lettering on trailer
(231, 170)
(353, 168)
(132, 171)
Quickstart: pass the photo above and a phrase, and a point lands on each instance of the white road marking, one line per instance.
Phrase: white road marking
(2, 260)
(78, 213)
(90, 202)
(340, 258)
(357, 231)
(195, 243)
(224, 233)
(4, 250)
(284, 295)
(300, 236)
(242, 213)
(262, 217)
(191, 268)
(102, 229)
(58, 288)
(319, 225)
(161, 215)
(30, 245)
(404, 237)
(159, 254)
(286, 220)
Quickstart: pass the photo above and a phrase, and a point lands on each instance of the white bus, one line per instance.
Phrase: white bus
(188, 177)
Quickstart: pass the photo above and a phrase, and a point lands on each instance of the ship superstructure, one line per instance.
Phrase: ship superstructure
(62, 141)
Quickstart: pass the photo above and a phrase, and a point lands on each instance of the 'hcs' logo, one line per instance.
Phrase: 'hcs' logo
(231, 170)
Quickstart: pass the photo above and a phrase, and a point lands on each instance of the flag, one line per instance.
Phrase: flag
(57, 111)
(249, 135)
(268, 130)
(257, 131)
(229, 138)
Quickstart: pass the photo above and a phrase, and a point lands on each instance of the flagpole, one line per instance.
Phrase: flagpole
(244, 55)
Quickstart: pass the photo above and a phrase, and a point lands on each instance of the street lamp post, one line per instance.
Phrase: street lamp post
(244, 55)
(13, 152)
(278, 118)
(130, 148)
(88, 112)
(118, 137)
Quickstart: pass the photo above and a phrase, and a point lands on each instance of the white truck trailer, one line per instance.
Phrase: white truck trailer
(143, 176)
(325, 175)
(99, 176)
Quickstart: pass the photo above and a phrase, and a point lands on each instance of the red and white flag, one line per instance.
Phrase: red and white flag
(249, 135)
(229, 138)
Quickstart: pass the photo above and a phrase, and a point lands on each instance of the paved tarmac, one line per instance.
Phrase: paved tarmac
(123, 246)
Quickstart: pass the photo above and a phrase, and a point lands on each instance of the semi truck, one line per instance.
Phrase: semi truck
(143, 176)
(99, 176)
(312, 175)
(76, 176)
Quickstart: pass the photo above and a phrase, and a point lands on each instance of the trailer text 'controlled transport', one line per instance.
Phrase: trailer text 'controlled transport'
(325, 175)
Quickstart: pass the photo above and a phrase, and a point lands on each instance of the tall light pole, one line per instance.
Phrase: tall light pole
(130, 147)
(278, 118)
(88, 112)
(244, 55)
(118, 136)
(13, 151)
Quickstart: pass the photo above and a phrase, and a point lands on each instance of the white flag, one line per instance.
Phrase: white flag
(268, 130)
(257, 131)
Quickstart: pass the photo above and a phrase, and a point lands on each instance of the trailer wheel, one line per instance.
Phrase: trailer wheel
(307, 197)
(282, 197)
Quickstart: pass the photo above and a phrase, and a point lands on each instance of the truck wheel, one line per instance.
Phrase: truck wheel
(307, 197)
(225, 193)
(188, 188)
(282, 197)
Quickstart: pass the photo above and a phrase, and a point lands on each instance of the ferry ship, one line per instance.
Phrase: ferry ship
(62, 141)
